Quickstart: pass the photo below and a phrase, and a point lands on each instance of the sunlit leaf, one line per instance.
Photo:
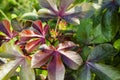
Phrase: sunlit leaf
(7, 70)
(26, 72)
(66, 45)
(71, 59)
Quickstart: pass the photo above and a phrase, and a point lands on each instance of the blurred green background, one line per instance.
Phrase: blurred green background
(13, 8)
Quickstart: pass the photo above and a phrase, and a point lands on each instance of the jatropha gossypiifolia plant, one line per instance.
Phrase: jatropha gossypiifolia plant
(49, 49)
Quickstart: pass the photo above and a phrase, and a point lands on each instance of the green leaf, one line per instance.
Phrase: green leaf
(105, 72)
(117, 44)
(30, 16)
(7, 50)
(26, 72)
(87, 34)
(110, 22)
(84, 31)
(101, 52)
(84, 73)
(8, 69)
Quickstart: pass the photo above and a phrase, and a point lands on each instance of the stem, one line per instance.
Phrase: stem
(58, 20)
(3, 14)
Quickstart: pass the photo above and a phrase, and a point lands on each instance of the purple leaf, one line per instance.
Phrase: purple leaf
(46, 28)
(56, 69)
(49, 4)
(38, 26)
(83, 10)
(66, 45)
(64, 4)
(39, 59)
(71, 59)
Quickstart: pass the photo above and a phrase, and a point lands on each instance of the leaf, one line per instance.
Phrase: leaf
(101, 52)
(49, 4)
(39, 59)
(5, 27)
(71, 59)
(8, 69)
(32, 45)
(7, 50)
(29, 34)
(83, 10)
(26, 72)
(117, 44)
(64, 5)
(106, 72)
(56, 69)
(84, 73)
(110, 21)
(66, 45)
(45, 13)
(84, 31)
(30, 16)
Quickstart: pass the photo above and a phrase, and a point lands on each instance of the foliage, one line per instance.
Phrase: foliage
(59, 40)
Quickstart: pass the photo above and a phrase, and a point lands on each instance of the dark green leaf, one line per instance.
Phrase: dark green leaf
(100, 52)
(84, 73)
(106, 72)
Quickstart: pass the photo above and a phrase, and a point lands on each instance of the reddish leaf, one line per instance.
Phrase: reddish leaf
(29, 34)
(38, 26)
(56, 69)
(39, 59)
(46, 28)
(5, 27)
(30, 46)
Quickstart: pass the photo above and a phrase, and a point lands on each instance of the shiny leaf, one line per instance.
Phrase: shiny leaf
(71, 59)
